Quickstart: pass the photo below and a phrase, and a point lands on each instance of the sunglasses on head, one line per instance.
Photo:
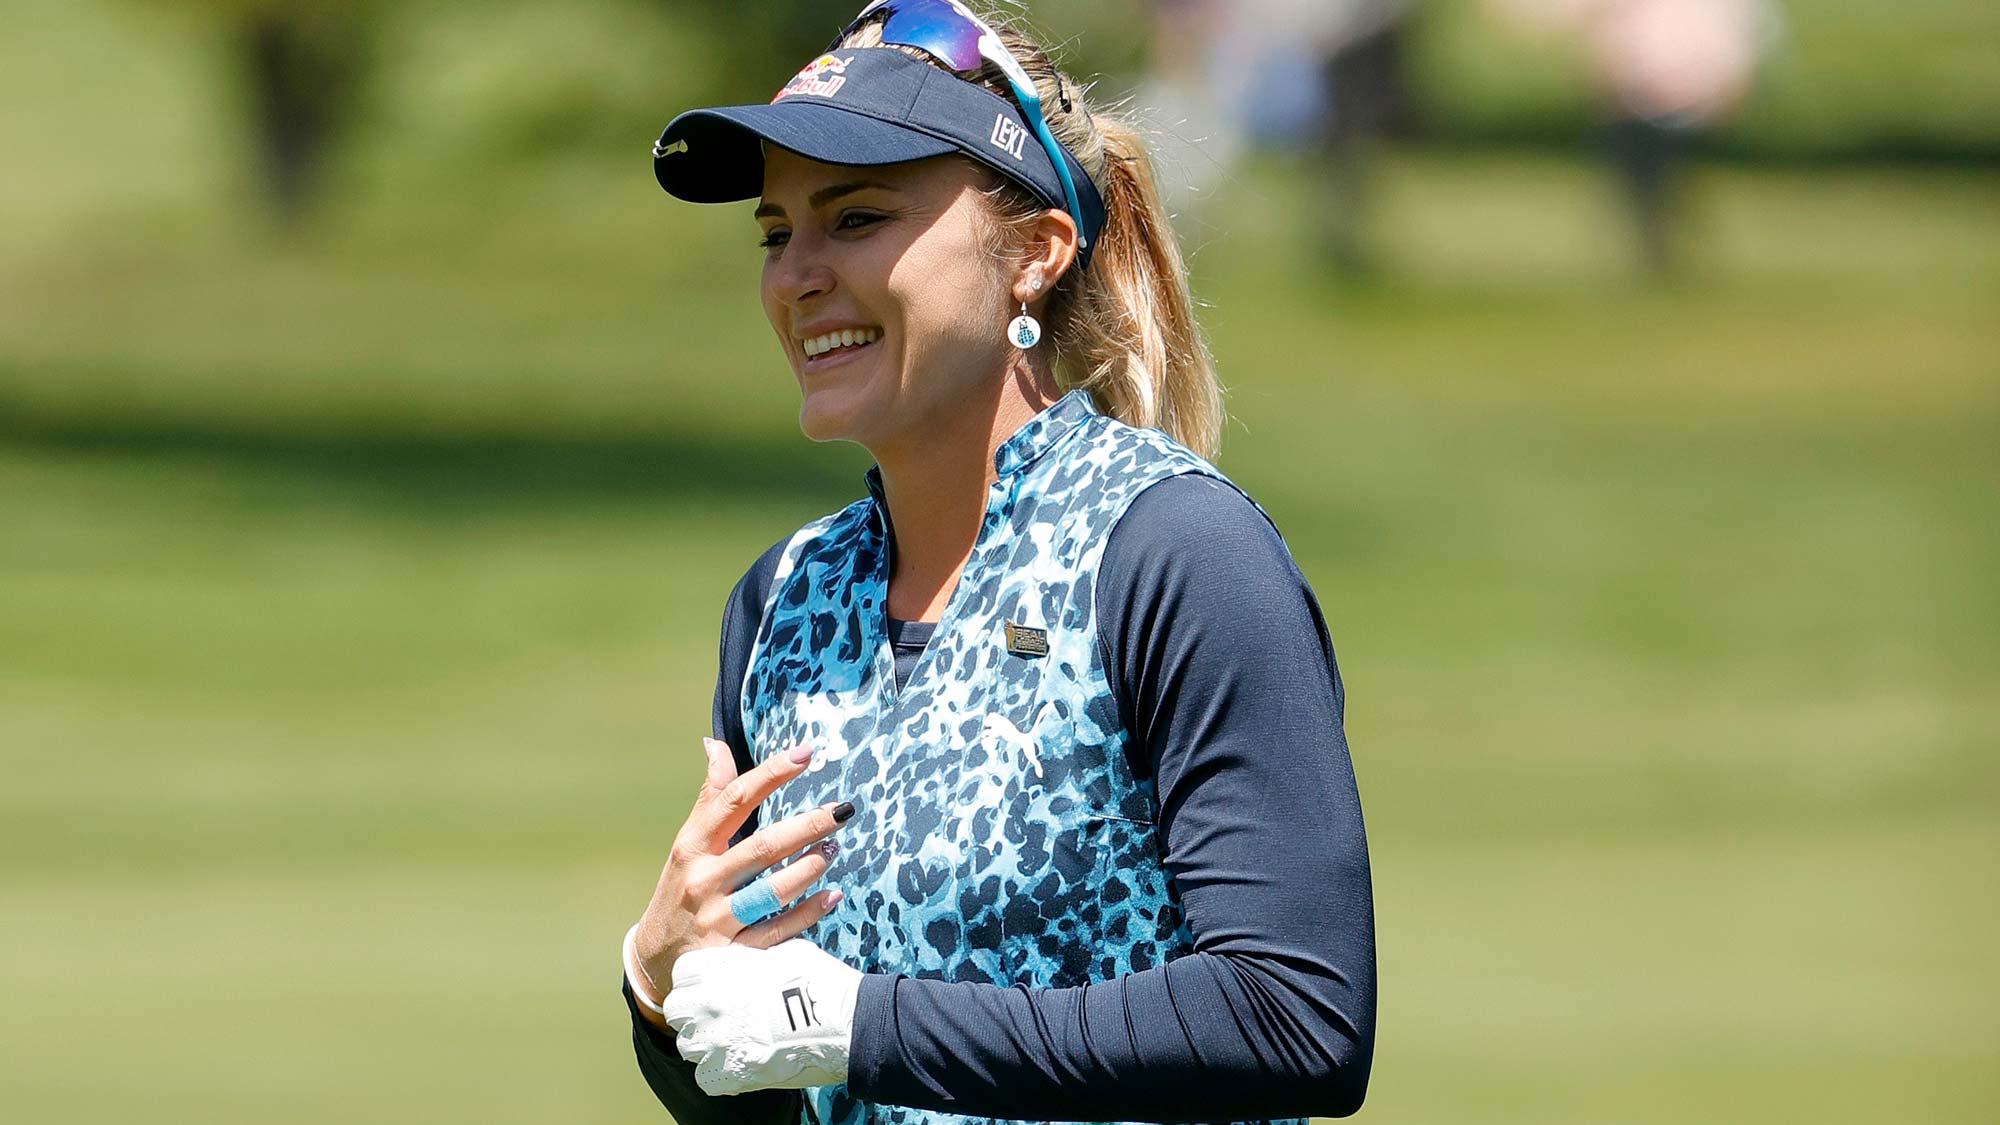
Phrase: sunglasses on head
(949, 32)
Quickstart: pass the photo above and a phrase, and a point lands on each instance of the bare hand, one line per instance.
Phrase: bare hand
(690, 906)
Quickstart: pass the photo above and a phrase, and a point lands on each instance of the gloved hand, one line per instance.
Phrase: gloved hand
(759, 1019)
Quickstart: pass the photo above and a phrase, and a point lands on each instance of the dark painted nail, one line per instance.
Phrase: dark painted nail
(843, 812)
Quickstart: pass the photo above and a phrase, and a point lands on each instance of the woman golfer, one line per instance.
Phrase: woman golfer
(1050, 712)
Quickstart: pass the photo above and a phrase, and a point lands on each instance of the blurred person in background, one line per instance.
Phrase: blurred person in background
(1326, 78)
(1193, 135)
(1665, 71)
(1055, 685)
(304, 69)
(1363, 45)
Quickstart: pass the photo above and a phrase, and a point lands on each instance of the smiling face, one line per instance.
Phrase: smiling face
(884, 296)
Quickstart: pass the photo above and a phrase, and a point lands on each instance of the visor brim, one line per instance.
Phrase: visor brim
(713, 155)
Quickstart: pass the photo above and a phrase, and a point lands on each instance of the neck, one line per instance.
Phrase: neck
(936, 484)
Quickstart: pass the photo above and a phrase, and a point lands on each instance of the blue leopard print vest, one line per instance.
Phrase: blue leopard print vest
(1003, 836)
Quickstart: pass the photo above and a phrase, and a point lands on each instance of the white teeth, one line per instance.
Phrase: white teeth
(844, 338)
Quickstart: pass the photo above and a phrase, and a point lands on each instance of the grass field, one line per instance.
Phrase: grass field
(359, 591)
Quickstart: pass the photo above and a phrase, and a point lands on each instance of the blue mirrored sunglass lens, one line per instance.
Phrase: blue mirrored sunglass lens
(935, 28)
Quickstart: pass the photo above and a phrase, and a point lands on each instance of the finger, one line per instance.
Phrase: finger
(678, 1011)
(793, 922)
(768, 846)
(716, 1077)
(721, 771)
(787, 883)
(718, 813)
(721, 764)
(796, 877)
(791, 881)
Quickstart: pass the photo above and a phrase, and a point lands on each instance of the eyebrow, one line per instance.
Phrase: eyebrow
(824, 196)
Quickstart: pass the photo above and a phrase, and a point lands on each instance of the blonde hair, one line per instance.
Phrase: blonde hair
(1124, 328)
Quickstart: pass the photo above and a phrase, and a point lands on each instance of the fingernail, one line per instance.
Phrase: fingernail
(834, 898)
(843, 812)
(829, 848)
(800, 755)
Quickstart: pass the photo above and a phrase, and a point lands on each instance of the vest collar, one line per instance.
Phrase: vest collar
(1040, 434)
(1043, 432)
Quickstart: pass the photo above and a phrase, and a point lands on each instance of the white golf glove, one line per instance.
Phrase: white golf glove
(759, 1019)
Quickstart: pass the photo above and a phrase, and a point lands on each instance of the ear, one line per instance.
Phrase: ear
(1050, 250)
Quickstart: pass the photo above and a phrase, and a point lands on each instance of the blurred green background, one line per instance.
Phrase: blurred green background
(360, 574)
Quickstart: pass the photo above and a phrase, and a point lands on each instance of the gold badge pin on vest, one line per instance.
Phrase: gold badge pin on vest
(1023, 640)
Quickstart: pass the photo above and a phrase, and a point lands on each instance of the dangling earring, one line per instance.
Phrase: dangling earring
(1025, 332)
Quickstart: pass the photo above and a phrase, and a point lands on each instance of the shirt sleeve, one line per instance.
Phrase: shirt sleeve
(1221, 662)
(670, 1076)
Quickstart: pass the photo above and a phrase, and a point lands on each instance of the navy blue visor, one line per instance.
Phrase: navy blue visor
(866, 106)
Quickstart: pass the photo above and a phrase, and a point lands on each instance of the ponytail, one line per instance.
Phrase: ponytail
(1124, 329)
(1128, 332)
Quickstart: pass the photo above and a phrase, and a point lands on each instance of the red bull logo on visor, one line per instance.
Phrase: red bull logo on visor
(822, 78)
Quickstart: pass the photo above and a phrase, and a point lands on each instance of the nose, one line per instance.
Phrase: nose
(801, 273)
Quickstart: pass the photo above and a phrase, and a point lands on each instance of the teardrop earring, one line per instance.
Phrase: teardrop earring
(1025, 332)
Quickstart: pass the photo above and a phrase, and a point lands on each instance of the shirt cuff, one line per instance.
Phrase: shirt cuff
(872, 1042)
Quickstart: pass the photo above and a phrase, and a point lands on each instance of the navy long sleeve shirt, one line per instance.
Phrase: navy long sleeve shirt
(1226, 680)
